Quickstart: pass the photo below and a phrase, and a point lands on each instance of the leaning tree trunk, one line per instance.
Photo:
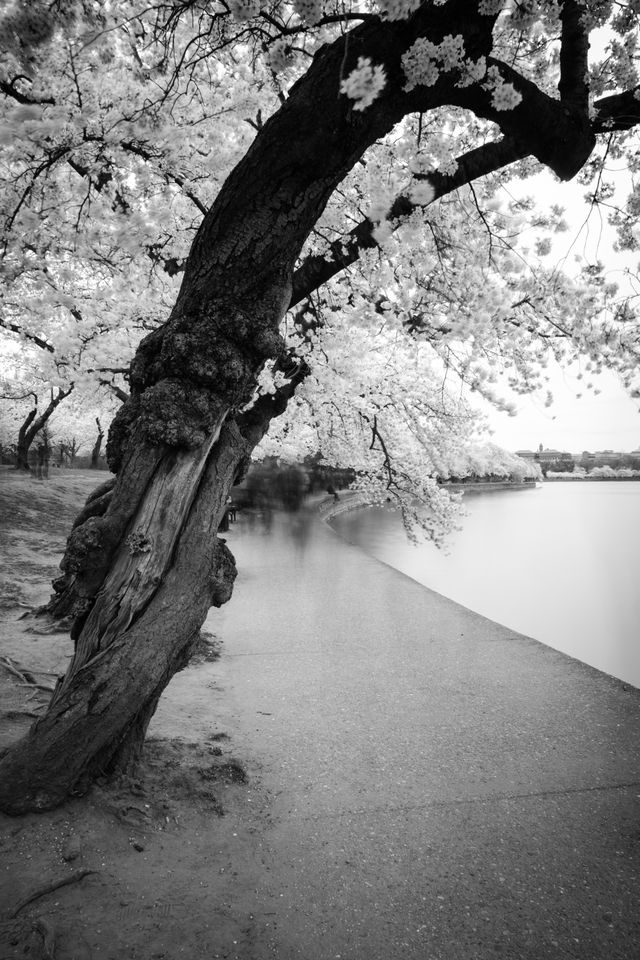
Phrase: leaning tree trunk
(163, 579)
(95, 453)
(144, 563)
(33, 424)
(25, 439)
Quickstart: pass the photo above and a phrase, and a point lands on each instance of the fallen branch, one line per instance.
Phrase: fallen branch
(48, 888)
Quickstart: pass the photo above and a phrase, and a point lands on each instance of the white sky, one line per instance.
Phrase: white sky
(610, 420)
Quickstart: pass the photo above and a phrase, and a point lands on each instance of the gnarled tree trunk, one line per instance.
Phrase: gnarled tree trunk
(143, 563)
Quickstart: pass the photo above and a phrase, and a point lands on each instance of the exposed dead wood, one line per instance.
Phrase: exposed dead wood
(144, 557)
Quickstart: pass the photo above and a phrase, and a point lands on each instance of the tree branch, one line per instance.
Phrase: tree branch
(621, 111)
(9, 90)
(118, 392)
(38, 423)
(28, 336)
(618, 112)
(317, 269)
(130, 147)
(103, 177)
(574, 57)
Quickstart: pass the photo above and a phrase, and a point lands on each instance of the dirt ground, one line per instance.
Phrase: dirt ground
(162, 866)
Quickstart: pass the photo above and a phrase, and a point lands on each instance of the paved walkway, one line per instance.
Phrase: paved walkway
(443, 789)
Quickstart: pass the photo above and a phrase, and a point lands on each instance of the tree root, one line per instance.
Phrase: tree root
(15, 671)
(48, 888)
(25, 676)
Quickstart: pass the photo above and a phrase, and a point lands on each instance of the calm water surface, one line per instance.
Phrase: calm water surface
(560, 563)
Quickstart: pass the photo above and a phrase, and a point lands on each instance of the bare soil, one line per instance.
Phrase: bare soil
(160, 866)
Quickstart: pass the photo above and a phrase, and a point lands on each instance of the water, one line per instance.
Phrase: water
(559, 563)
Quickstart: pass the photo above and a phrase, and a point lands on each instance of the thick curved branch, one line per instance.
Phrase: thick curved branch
(9, 90)
(558, 135)
(618, 112)
(574, 57)
(118, 392)
(319, 268)
(323, 146)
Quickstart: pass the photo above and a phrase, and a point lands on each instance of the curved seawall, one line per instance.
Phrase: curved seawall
(557, 563)
(442, 786)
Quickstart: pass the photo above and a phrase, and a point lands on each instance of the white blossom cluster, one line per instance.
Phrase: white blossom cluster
(421, 192)
(268, 382)
(474, 71)
(397, 9)
(280, 55)
(242, 10)
(504, 96)
(424, 61)
(308, 10)
(420, 64)
(364, 84)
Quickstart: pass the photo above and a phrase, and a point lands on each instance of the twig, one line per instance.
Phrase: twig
(48, 888)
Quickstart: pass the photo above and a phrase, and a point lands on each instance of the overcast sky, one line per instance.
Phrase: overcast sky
(610, 420)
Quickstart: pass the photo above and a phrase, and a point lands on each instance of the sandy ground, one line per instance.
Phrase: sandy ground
(156, 867)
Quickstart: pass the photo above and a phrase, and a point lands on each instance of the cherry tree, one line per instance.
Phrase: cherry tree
(50, 358)
(349, 206)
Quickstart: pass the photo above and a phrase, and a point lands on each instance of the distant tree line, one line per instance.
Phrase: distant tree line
(555, 461)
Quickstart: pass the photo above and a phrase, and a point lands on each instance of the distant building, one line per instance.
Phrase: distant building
(608, 458)
(544, 455)
(601, 458)
(552, 456)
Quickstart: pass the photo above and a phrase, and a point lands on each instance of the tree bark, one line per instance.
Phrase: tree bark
(135, 641)
(144, 564)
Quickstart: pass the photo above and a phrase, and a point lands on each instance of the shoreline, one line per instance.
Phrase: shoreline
(594, 657)
(570, 478)
(418, 752)
(420, 781)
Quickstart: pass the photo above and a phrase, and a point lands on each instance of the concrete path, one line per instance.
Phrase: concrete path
(443, 789)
